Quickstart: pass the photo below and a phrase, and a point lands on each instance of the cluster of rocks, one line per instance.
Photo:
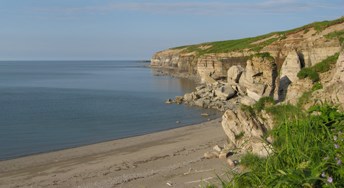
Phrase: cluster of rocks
(243, 86)
(218, 95)
(223, 153)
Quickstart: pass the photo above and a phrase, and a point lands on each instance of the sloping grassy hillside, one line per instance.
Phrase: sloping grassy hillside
(259, 42)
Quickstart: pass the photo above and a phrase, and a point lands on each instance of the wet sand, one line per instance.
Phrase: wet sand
(172, 158)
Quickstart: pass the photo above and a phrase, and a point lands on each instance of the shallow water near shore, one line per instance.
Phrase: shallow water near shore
(52, 105)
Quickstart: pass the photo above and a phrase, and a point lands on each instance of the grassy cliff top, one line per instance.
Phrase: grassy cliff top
(259, 42)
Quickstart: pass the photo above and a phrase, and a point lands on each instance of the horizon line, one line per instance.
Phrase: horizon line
(75, 60)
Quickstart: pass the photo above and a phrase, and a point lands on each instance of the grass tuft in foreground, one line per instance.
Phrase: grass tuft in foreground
(307, 151)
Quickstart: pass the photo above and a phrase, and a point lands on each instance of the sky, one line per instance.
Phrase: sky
(135, 30)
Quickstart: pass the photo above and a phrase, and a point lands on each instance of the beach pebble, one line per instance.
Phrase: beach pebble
(179, 99)
(169, 101)
(217, 148)
(223, 155)
(169, 184)
(211, 155)
(230, 163)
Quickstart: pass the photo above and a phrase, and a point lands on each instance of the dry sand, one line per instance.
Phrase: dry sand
(154, 160)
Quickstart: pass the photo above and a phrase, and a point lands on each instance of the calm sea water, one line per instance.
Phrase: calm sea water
(52, 105)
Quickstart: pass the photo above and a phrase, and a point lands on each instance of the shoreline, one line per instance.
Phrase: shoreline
(105, 141)
(123, 162)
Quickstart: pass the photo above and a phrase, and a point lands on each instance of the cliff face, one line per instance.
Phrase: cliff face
(214, 65)
(245, 131)
(175, 59)
(217, 65)
(313, 43)
(265, 66)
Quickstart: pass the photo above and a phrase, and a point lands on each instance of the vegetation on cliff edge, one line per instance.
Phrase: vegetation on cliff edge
(307, 151)
(323, 66)
(336, 34)
(259, 42)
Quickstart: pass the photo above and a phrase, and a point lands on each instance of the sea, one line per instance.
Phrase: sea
(52, 105)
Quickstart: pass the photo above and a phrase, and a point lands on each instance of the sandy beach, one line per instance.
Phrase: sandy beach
(172, 158)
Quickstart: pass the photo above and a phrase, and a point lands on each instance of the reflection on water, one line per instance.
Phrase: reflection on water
(183, 85)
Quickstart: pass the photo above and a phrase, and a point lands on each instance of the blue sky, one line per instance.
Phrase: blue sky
(109, 29)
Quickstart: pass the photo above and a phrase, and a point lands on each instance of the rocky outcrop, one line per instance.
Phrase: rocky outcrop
(225, 92)
(245, 76)
(331, 81)
(245, 132)
(291, 66)
(219, 96)
(217, 65)
(234, 73)
(175, 59)
(333, 91)
(205, 66)
(338, 76)
(288, 75)
(258, 79)
(210, 66)
(295, 90)
(318, 50)
(309, 44)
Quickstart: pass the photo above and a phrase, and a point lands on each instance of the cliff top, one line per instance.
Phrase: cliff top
(333, 30)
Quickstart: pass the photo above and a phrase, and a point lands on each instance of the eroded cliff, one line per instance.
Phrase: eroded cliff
(301, 67)
(312, 43)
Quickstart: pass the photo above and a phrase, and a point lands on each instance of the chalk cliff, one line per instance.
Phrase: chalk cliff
(312, 43)
(303, 66)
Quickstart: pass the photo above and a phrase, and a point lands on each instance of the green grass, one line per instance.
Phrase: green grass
(284, 112)
(232, 45)
(265, 55)
(308, 73)
(317, 86)
(248, 109)
(336, 34)
(246, 43)
(323, 66)
(318, 26)
(307, 151)
(262, 103)
(239, 136)
(304, 99)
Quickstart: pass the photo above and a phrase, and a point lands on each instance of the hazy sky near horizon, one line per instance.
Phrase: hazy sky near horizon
(132, 29)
